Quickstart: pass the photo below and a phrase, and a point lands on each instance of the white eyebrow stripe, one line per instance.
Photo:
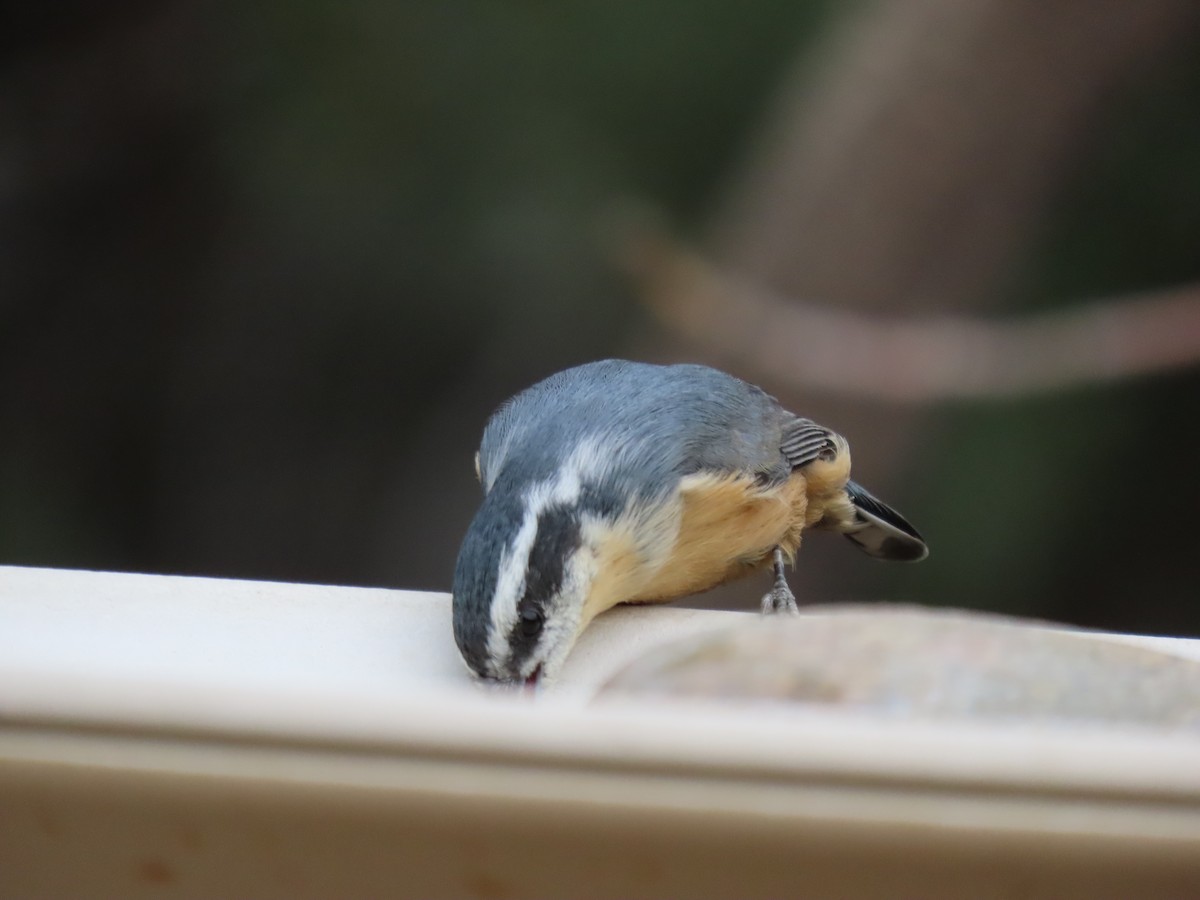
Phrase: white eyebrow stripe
(510, 585)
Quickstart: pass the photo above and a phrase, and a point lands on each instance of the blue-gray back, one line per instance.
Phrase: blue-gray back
(659, 423)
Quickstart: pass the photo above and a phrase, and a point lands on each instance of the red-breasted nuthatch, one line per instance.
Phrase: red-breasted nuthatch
(621, 482)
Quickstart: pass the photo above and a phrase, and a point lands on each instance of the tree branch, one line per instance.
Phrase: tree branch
(913, 359)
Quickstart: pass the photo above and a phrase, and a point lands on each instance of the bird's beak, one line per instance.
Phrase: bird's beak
(535, 676)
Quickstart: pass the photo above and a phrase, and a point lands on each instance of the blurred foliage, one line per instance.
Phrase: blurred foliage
(267, 268)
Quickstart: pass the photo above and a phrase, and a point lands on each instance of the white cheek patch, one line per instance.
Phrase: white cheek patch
(564, 617)
(585, 463)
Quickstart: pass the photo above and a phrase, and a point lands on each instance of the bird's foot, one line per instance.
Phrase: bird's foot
(780, 598)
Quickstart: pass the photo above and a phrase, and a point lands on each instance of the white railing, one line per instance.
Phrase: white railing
(213, 738)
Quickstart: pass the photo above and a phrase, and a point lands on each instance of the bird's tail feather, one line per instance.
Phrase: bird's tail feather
(881, 531)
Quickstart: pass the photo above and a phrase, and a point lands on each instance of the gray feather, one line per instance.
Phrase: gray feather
(660, 423)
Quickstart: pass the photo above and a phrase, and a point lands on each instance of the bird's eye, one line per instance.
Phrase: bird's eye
(532, 621)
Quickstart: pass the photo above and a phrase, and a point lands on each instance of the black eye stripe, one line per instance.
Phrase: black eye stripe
(558, 536)
(531, 619)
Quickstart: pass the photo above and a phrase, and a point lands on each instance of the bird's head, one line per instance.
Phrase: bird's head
(521, 586)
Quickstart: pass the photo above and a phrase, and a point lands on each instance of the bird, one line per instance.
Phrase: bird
(627, 482)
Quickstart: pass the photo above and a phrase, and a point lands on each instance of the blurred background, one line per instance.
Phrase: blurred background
(266, 268)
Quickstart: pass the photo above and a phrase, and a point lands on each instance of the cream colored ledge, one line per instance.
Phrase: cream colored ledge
(191, 737)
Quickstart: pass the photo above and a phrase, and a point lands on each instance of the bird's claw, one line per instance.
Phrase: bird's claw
(780, 599)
